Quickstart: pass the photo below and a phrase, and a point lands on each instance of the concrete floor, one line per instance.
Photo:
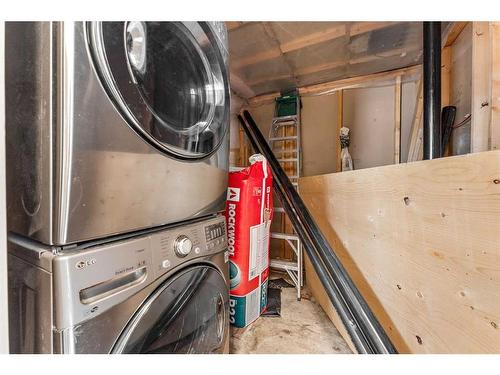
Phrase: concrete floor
(303, 328)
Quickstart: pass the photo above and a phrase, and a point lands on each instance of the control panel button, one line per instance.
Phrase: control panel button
(197, 250)
(183, 246)
(165, 263)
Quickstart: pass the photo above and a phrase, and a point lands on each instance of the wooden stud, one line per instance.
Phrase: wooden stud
(495, 89)
(445, 76)
(340, 121)
(397, 120)
(415, 144)
(481, 86)
(453, 33)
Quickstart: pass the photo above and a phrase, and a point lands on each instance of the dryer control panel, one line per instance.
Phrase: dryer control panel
(90, 281)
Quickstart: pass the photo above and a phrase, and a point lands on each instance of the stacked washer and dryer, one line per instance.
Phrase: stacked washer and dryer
(117, 160)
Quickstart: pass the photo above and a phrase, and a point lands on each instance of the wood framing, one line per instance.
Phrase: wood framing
(453, 33)
(364, 27)
(334, 32)
(445, 76)
(481, 86)
(340, 121)
(495, 89)
(240, 87)
(257, 58)
(397, 121)
(415, 144)
(233, 25)
(314, 38)
(353, 82)
(421, 242)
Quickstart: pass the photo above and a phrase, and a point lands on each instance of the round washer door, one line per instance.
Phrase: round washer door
(188, 313)
(169, 81)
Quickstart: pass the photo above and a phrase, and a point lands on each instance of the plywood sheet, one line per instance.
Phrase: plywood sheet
(421, 241)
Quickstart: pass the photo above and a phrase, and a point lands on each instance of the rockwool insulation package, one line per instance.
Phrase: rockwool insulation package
(249, 211)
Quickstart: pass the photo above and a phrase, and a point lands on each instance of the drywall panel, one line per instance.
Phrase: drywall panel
(369, 114)
(420, 241)
(319, 139)
(319, 124)
(461, 88)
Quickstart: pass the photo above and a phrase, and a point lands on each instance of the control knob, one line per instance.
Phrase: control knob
(183, 246)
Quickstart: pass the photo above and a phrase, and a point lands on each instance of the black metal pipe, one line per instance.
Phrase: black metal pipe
(432, 90)
(366, 332)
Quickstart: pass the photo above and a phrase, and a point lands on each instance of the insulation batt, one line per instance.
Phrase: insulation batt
(249, 211)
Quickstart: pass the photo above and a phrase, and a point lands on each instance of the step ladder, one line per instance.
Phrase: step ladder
(284, 141)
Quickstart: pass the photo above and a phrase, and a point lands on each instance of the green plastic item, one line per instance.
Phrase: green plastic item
(286, 105)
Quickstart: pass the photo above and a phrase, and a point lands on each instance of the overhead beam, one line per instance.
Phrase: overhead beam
(329, 66)
(240, 87)
(358, 81)
(255, 59)
(314, 38)
(365, 27)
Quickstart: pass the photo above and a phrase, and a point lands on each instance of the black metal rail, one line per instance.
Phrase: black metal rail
(366, 333)
(432, 90)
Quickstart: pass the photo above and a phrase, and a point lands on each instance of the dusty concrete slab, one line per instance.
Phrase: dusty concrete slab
(303, 328)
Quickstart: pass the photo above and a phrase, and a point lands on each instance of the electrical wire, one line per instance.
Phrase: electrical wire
(463, 122)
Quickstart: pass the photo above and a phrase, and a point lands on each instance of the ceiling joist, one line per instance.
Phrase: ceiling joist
(347, 83)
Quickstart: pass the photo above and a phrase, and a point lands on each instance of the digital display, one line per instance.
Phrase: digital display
(214, 231)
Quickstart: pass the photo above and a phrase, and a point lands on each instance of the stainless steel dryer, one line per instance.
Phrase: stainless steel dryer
(159, 292)
(114, 127)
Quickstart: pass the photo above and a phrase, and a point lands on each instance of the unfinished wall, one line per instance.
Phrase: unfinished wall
(319, 126)
(420, 241)
(408, 100)
(369, 114)
(460, 89)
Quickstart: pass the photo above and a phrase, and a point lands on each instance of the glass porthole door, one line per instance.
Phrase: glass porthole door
(188, 313)
(169, 81)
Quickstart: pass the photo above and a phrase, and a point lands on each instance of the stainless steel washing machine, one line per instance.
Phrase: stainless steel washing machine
(163, 291)
(114, 127)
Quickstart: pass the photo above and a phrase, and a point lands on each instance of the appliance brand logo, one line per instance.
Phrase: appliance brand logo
(233, 194)
(85, 263)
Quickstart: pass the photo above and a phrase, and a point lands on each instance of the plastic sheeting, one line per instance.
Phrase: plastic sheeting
(387, 46)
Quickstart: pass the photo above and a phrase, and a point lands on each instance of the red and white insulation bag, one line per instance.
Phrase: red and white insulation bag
(249, 211)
